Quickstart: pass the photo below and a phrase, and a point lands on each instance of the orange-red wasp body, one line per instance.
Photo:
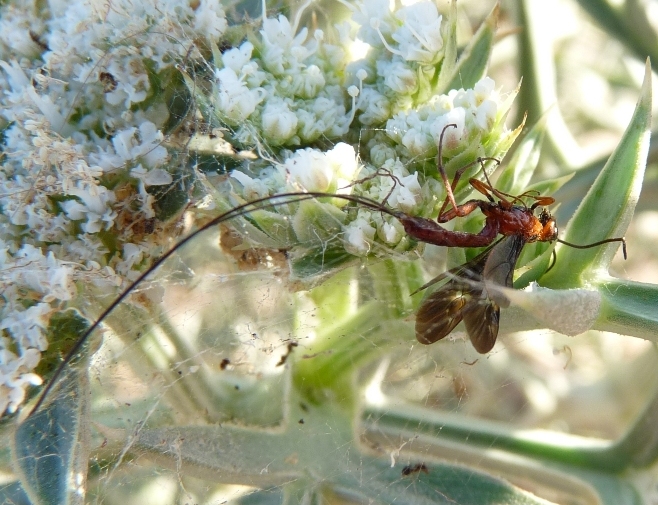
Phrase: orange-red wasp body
(465, 296)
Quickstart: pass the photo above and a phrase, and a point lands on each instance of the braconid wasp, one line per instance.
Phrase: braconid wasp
(464, 297)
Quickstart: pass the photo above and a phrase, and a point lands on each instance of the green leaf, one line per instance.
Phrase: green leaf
(64, 329)
(608, 206)
(450, 54)
(316, 222)
(474, 60)
(515, 177)
(51, 447)
(319, 261)
(570, 467)
(548, 187)
(438, 483)
(639, 446)
(628, 308)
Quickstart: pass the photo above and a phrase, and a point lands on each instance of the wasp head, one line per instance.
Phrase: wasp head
(549, 227)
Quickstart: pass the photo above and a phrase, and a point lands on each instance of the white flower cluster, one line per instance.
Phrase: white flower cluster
(401, 67)
(474, 112)
(388, 175)
(286, 88)
(282, 89)
(81, 118)
(86, 93)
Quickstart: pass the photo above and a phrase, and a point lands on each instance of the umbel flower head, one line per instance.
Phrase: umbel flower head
(91, 143)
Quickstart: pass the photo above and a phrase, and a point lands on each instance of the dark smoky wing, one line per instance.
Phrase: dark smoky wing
(482, 319)
(481, 322)
(444, 309)
(440, 313)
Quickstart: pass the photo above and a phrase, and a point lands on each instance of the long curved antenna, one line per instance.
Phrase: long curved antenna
(554, 260)
(600, 242)
(261, 203)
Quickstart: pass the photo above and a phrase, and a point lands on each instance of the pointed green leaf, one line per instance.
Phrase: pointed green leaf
(435, 483)
(50, 448)
(608, 206)
(474, 60)
(639, 446)
(515, 177)
(548, 187)
(450, 53)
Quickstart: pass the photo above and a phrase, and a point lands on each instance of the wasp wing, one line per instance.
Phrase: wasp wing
(482, 316)
(465, 296)
(444, 309)
(500, 265)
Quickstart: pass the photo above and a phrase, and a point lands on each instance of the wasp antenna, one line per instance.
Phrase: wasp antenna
(260, 203)
(600, 242)
(554, 260)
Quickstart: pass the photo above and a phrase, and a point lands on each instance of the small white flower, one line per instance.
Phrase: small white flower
(484, 88)
(236, 102)
(389, 233)
(15, 376)
(132, 254)
(308, 83)
(485, 115)
(279, 32)
(322, 116)
(343, 161)
(375, 106)
(281, 47)
(397, 125)
(48, 108)
(153, 177)
(451, 136)
(210, 19)
(364, 13)
(59, 281)
(380, 153)
(238, 57)
(398, 76)
(406, 195)
(419, 37)
(464, 98)
(309, 128)
(123, 143)
(417, 142)
(18, 80)
(150, 148)
(310, 169)
(132, 80)
(97, 200)
(252, 189)
(278, 121)
(74, 210)
(359, 235)
(27, 326)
